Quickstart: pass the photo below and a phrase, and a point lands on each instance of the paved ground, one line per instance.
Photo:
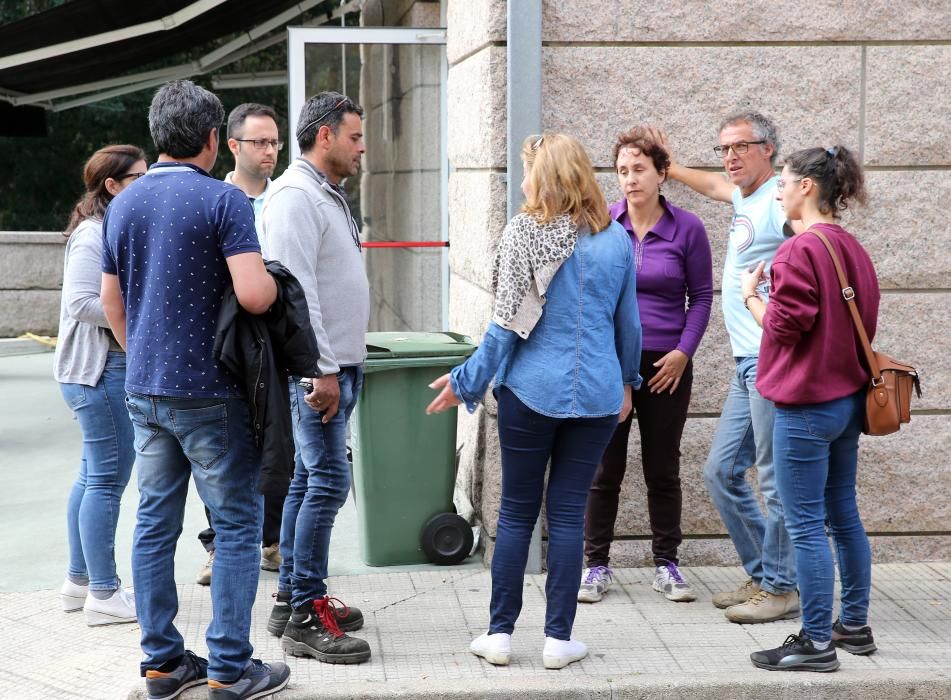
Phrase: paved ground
(419, 619)
(419, 625)
(40, 445)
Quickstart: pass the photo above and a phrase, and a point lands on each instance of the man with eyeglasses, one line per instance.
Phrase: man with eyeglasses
(254, 143)
(748, 147)
(309, 227)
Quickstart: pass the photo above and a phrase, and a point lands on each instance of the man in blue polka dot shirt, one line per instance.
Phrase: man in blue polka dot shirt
(171, 245)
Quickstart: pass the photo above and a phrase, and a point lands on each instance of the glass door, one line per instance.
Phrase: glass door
(400, 196)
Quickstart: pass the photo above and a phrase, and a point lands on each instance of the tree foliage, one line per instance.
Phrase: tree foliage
(42, 176)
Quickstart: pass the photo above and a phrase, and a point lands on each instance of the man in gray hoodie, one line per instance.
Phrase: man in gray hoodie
(308, 226)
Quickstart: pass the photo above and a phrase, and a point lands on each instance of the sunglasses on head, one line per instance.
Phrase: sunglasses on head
(340, 103)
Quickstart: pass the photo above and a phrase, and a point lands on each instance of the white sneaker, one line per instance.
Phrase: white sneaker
(114, 610)
(559, 653)
(595, 580)
(669, 581)
(72, 596)
(494, 648)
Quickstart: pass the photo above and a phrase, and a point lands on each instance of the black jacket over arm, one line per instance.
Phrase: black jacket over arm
(262, 351)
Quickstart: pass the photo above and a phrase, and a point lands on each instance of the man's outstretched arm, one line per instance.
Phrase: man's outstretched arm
(712, 185)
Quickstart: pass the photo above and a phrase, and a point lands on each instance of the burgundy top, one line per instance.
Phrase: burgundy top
(674, 278)
(810, 351)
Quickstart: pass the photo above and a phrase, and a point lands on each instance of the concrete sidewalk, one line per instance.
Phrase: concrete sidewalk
(419, 625)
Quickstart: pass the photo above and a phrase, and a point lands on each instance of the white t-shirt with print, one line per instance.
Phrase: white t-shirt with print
(755, 234)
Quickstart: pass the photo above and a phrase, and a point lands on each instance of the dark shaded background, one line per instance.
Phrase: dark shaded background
(41, 176)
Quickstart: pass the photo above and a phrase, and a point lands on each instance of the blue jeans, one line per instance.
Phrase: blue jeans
(210, 440)
(319, 488)
(816, 450)
(528, 439)
(744, 437)
(92, 511)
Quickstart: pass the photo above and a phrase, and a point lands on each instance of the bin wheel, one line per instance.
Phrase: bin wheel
(446, 539)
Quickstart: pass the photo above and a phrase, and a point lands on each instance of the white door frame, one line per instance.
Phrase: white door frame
(299, 37)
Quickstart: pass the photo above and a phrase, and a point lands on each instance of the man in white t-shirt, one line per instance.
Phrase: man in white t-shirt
(748, 146)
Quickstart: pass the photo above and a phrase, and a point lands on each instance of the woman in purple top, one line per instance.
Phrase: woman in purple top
(674, 294)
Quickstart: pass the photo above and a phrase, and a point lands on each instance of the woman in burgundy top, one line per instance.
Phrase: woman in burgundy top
(810, 366)
(674, 296)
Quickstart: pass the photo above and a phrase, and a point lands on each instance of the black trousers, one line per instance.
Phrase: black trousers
(270, 533)
(660, 419)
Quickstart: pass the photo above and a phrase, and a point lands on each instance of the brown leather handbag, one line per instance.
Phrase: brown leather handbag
(888, 402)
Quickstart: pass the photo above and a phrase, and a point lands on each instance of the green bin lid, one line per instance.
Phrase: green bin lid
(390, 344)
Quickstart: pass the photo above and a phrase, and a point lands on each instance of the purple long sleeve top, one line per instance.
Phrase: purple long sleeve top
(674, 278)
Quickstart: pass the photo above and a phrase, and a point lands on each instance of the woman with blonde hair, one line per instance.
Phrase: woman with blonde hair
(564, 348)
(90, 368)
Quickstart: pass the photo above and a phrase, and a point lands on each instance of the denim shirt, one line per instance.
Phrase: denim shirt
(585, 347)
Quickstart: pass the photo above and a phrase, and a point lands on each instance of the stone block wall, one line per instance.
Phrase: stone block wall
(31, 278)
(873, 76)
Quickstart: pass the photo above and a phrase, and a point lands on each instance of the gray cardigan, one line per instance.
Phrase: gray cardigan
(307, 226)
(84, 336)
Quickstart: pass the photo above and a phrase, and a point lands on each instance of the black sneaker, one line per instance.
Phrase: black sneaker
(258, 681)
(859, 642)
(191, 671)
(313, 631)
(348, 619)
(280, 613)
(796, 654)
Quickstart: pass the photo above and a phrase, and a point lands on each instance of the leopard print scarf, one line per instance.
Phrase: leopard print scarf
(528, 256)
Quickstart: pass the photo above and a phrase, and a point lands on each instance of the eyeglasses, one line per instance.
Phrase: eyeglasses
(781, 184)
(340, 103)
(739, 148)
(262, 144)
(129, 176)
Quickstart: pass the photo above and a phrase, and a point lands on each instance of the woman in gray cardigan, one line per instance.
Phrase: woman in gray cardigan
(90, 368)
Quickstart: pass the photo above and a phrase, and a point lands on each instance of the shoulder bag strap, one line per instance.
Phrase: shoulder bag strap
(849, 295)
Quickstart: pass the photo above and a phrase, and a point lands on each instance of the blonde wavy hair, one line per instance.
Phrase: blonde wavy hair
(561, 181)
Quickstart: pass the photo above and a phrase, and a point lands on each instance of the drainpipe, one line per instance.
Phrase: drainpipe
(523, 117)
(524, 79)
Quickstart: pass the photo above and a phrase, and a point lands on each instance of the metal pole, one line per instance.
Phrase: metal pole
(343, 53)
(524, 117)
(524, 77)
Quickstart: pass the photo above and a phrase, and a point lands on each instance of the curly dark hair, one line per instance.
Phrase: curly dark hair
(640, 139)
(837, 173)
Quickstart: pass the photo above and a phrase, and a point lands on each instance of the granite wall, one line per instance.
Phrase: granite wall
(875, 76)
(31, 277)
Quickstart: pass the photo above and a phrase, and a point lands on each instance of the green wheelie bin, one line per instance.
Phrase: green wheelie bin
(403, 460)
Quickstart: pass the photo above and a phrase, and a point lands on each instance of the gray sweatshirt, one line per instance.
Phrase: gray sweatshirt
(308, 227)
(84, 336)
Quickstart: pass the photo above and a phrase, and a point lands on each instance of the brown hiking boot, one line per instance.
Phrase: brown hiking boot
(742, 594)
(765, 607)
(271, 557)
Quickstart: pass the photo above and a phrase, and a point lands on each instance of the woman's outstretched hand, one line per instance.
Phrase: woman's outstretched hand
(446, 399)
